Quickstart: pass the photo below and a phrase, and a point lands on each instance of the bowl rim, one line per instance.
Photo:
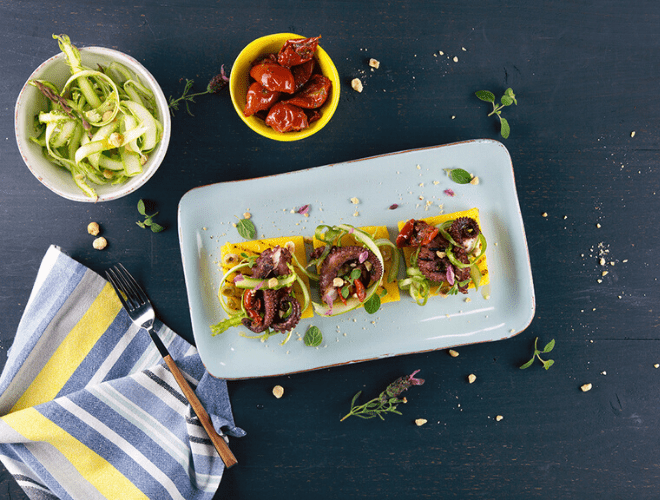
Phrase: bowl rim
(156, 158)
(332, 104)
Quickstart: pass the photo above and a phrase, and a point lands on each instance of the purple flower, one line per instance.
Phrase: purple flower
(449, 192)
(303, 210)
(218, 82)
(396, 388)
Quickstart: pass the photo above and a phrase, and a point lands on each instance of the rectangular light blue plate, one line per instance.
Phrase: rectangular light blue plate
(361, 193)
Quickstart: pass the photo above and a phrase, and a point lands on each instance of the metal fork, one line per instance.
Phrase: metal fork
(141, 312)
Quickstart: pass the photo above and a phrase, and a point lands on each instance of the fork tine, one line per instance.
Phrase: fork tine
(117, 286)
(135, 287)
(124, 284)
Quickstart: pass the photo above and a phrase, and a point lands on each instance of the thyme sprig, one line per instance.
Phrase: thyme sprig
(217, 83)
(387, 401)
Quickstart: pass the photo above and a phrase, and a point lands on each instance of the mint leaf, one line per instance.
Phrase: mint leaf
(313, 337)
(373, 304)
(458, 175)
(141, 208)
(246, 229)
(506, 100)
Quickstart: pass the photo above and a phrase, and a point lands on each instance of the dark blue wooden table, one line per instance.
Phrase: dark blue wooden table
(586, 78)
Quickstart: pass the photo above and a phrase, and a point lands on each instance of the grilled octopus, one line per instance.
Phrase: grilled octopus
(432, 259)
(268, 308)
(339, 262)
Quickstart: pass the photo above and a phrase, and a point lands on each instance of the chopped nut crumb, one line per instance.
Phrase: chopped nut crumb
(355, 201)
(374, 63)
(598, 225)
(499, 418)
(544, 214)
(453, 353)
(602, 261)
(585, 387)
(420, 421)
(474, 181)
(468, 299)
(247, 215)
(93, 228)
(278, 391)
(455, 59)
(100, 243)
(632, 134)
(356, 84)
(472, 377)
(656, 365)
(356, 213)
(604, 273)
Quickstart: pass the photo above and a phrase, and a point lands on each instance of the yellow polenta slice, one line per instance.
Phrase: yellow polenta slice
(473, 213)
(377, 233)
(231, 255)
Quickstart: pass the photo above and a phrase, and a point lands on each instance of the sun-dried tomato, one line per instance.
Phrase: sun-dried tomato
(272, 76)
(297, 51)
(313, 94)
(302, 73)
(285, 117)
(259, 98)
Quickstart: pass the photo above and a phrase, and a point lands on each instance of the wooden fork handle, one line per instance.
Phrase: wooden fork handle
(220, 445)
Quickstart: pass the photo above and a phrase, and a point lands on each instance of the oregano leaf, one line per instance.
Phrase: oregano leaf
(313, 338)
(156, 228)
(549, 346)
(141, 208)
(506, 130)
(506, 100)
(547, 364)
(528, 364)
(485, 95)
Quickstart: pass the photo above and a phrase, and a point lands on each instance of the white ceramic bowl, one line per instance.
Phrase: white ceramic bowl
(30, 101)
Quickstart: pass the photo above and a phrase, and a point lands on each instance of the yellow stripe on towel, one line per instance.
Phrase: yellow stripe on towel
(99, 472)
(72, 351)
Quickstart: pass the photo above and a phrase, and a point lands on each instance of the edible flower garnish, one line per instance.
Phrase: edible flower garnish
(387, 401)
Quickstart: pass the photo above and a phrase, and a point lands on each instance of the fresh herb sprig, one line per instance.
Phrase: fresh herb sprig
(537, 354)
(458, 175)
(148, 219)
(217, 83)
(507, 99)
(386, 402)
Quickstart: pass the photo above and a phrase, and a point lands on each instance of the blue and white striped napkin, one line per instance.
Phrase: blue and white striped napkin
(88, 408)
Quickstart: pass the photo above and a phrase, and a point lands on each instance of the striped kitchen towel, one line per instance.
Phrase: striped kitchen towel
(89, 409)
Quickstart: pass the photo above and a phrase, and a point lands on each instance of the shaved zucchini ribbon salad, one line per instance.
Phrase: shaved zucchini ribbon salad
(101, 125)
(419, 286)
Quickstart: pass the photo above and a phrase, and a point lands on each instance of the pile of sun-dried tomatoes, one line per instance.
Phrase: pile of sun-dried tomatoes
(288, 88)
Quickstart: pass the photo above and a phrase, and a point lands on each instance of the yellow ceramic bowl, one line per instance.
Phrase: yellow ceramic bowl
(239, 81)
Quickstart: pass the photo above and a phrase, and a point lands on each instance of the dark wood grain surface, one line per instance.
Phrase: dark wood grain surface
(586, 76)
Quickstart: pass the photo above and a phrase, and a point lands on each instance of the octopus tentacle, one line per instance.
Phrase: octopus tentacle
(464, 231)
(294, 317)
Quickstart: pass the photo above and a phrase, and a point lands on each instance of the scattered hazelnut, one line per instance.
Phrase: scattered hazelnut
(420, 421)
(586, 387)
(100, 243)
(453, 353)
(93, 228)
(499, 418)
(278, 391)
(472, 377)
(374, 63)
(356, 84)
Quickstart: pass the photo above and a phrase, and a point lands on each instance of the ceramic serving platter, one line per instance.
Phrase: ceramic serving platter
(381, 190)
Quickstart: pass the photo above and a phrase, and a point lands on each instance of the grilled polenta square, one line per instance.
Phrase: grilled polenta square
(232, 253)
(376, 233)
(472, 213)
